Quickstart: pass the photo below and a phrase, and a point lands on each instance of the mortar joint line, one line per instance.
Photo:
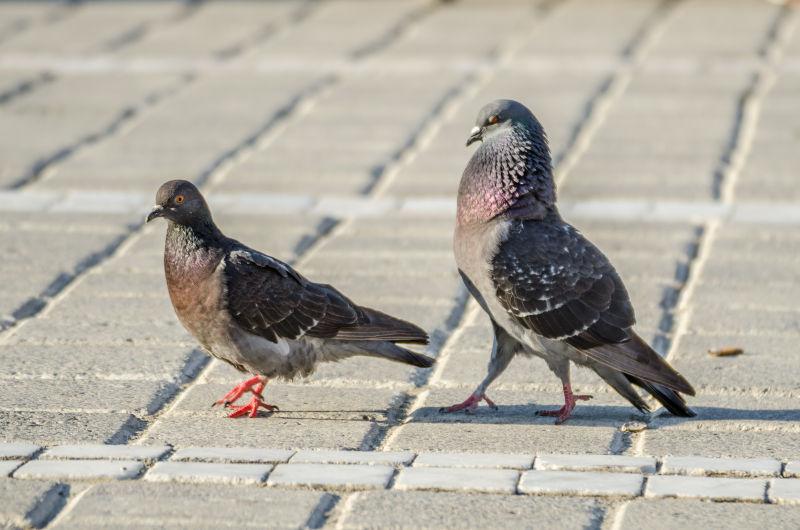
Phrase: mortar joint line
(465, 89)
(67, 507)
(748, 108)
(612, 89)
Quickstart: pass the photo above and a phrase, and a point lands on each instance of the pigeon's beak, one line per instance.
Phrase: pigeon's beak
(474, 135)
(155, 213)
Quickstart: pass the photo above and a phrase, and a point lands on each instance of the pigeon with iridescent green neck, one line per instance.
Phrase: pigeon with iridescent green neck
(547, 289)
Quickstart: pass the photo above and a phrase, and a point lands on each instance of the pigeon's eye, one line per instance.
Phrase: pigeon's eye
(493, 119)
(179, 199)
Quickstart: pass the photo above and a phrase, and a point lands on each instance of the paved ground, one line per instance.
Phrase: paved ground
(331, 134)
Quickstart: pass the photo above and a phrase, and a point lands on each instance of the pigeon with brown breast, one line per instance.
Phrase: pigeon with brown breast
(259, 314)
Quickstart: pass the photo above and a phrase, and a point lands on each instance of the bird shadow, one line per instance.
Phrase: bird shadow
(601, 415)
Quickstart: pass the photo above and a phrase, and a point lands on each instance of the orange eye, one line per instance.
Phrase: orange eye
(179, 199)
(494, 119)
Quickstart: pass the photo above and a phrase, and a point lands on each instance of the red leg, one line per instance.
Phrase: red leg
(570, 401)
(470, 405)
(240, 389)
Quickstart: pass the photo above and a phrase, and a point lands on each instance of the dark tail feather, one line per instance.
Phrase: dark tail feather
(671, 400)
(393, 352)
(380, 326)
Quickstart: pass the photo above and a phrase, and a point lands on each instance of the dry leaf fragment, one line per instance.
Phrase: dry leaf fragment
(726, 352)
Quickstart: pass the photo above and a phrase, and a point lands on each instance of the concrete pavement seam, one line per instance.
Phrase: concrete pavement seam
(124, 119)
(26, 86)
(609, 92)
(748, 108)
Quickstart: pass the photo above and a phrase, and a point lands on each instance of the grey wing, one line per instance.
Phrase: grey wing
(268, 298)
(555, 282)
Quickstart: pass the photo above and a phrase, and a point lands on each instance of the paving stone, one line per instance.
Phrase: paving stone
(17, 450)
(68, 427)
(457, 479)
(792, 469)
(348, 476)
(7, 466)
(729, 440)
(482, 460)
(615, 463)
(88, 395)
(80, 469)
(208, 472)
(703, 466)
(720, 489)
(106, 452)
(443, 510)
(673, 514)
(352, 457)
(767, 362)
(107, 361)
(470, 436)
(29, 504)
(285, 433)
(178, 505)
(236, 454)
(784, 491)
(582, 483)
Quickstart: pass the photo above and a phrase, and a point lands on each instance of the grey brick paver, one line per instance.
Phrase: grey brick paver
(581, 483)
(352, 457)
(699, 466)
(445, 510)
(31, 503)
(101, 451)
(8, 466)
(119, 504)
(669, 514)
(615, 463)
(457, 479)
(80, 469)
(12, 450)
(715, 488)
(784, 491)
(347, 476)
(221, 473)
(469, 460)
(238, 454)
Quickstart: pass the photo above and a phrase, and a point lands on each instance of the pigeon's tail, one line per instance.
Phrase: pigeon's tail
(671, 400)
(375, 325)
(637, 359)
(393, 352)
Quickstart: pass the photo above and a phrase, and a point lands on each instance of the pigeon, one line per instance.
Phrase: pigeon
(257, 313)
(548, 291)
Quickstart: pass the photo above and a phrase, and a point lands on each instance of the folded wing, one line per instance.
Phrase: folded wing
(556, 283)
(268, 298)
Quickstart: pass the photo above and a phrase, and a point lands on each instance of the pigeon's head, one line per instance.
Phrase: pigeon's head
(181, 202)
(500, 115)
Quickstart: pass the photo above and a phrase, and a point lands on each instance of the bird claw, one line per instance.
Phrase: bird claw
(237, 391)
(564, 413)
(251, 409)
(470, 405)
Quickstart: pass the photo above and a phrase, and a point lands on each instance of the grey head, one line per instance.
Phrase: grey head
(502, 115)
(510, 174)
(182, 203)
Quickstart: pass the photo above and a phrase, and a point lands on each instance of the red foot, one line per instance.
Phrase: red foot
(470, 405)
(251, 409)
(240, 389)
(565, 412)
